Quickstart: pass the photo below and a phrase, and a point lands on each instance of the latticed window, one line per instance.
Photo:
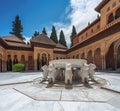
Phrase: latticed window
(117, 15)
(110, 18)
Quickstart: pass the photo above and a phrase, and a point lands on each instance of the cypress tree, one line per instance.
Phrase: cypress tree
(73, 34)
(53, 35)
(36, 33)
(62, 39)
(17, 28)
(44, 31)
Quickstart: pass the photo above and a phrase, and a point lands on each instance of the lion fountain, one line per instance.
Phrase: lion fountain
(68, 70)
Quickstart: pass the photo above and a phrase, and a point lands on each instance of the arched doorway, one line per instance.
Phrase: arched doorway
(98, 59)
(22, 59)
(44, 59)
(30, 63)
(83, 56)
(110, 62)
(0, 62)
(77, 56)
(15, 61)
(73, 57)
(118, 57)
(9, 63)
(89, 57)
(38, 62)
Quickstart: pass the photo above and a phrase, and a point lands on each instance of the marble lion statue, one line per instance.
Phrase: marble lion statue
(45, 71)
(51, 74)
(84, 73)
(91, 71)
(68, 74)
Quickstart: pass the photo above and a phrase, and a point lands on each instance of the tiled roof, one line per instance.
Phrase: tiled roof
(61, 50)
(14, 42)
(60, 46)
(42, 38)
(12, 39)
(18, 44)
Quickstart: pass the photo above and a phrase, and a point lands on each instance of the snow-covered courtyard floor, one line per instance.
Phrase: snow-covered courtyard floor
(19, 93)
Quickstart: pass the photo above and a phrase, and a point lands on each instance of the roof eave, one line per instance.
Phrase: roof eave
(101, 5)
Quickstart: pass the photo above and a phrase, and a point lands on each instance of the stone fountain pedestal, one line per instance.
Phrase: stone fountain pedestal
(69, 70)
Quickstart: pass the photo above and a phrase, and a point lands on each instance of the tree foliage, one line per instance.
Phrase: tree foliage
(73, 34)
(17, 28)
(36, 33)
(62, 39)
(53, 35)
(44, 31)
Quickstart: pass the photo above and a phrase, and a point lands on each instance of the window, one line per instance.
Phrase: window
(98, 26)
(117, 15)
(110, 18)
(82, 37)
(114, 4)
(86, 34)
(92, 30)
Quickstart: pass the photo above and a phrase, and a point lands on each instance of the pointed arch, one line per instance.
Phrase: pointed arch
(98, 58)
(30, 63)
(22, 59)
(9, 63)
(38, 62)
(15, 60)
(89, 57)
(44, 59)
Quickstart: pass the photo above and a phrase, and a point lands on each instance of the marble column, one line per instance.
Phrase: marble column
(103, 62)
(35, 65)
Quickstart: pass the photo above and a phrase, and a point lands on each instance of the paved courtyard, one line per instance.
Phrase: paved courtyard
(22, 92)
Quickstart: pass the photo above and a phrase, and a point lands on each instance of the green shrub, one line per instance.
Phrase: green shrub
(18, 67)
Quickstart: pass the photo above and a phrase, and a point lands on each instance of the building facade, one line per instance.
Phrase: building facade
(98, 43)
(34, 55)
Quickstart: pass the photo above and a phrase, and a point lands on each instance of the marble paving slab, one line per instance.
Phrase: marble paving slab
(88, 95)
(12, 100)
(19, 79)
(39, 94)
(61, 94)
(115, 88)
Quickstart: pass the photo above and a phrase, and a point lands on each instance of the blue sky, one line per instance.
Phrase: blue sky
(36, 14)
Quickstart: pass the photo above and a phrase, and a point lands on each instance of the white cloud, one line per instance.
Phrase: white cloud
(82, 12)
(27, 39)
